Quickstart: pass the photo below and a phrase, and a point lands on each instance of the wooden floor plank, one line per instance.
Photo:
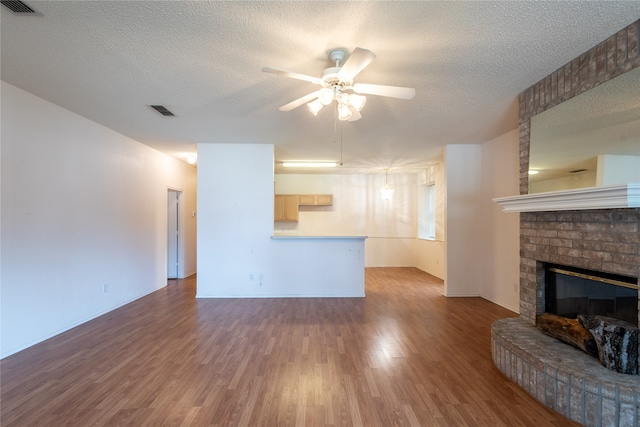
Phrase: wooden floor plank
(404, 356)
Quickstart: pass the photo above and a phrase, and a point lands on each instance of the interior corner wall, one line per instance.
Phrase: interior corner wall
(430, 258)
(500, 231)
(187, 178)
(83, 222)
(462, 242)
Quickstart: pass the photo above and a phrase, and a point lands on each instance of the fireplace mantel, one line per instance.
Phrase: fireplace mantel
(607, 197)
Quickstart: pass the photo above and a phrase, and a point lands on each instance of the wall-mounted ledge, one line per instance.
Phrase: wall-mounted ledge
(609, 197)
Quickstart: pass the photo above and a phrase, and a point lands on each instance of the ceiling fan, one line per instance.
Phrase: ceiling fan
(337, 85)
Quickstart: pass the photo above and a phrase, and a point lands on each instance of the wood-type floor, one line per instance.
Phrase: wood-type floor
(403, 356)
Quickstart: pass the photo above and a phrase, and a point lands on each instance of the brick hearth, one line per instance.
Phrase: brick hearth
(564, 378)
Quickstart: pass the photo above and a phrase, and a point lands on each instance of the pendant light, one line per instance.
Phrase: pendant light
(387, 190)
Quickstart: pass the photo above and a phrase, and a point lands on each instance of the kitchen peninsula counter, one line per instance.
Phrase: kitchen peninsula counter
(301, 236)
(322, 266)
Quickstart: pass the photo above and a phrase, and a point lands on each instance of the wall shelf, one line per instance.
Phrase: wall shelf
(609, 197)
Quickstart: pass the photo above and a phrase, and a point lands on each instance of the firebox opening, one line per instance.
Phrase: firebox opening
(570, 291)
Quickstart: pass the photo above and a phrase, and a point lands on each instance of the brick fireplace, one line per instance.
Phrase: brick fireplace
(607, 240)
(562, 377)
(604, 240)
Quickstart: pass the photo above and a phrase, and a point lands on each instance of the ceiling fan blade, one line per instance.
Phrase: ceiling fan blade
(355, 63)
(298, 102)
(382, 90)
(292, 75)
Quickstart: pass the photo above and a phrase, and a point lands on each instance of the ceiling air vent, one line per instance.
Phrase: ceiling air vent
(162, 110)
(17, 7)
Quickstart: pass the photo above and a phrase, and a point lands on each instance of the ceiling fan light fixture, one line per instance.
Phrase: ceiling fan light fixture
(344, 113)
(357, 101)
(336, 80)
(355, 114)
(325, 96)
(315, 106)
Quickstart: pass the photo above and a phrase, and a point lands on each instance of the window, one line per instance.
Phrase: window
(427, 212)
(432, 211)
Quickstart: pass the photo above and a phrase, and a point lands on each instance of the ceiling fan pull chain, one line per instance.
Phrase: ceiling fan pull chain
(340, 144)
(335, 123)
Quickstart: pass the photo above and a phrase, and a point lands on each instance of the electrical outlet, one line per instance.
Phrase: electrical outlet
(261, 276)
(250, 276)
(515, 287)
(104, 289)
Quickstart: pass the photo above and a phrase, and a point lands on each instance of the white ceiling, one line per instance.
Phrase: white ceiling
(109, 60)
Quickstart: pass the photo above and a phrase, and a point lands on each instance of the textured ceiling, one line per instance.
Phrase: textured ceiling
(109, 60)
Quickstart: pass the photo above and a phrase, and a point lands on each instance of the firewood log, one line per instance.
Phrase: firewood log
(567, 330)
(617, 342)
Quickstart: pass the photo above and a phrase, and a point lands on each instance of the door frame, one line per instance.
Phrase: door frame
(180, 259)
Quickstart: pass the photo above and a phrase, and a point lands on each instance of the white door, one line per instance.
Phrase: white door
(173, 234)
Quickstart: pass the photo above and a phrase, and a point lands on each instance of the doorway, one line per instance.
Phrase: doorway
(174, 234)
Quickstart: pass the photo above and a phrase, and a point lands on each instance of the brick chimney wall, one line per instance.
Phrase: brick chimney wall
(606, 240)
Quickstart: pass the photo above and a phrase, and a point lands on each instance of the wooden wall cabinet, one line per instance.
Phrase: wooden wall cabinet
(286, 207)
(315, 199)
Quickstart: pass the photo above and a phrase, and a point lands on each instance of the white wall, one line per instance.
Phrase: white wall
(430, 257)
(500, 232)
(462, 242)
(235, 217)
(358, 209)
(616, 169)
(579, 180)
(82, 207)
(482, 247)
(237, 256)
